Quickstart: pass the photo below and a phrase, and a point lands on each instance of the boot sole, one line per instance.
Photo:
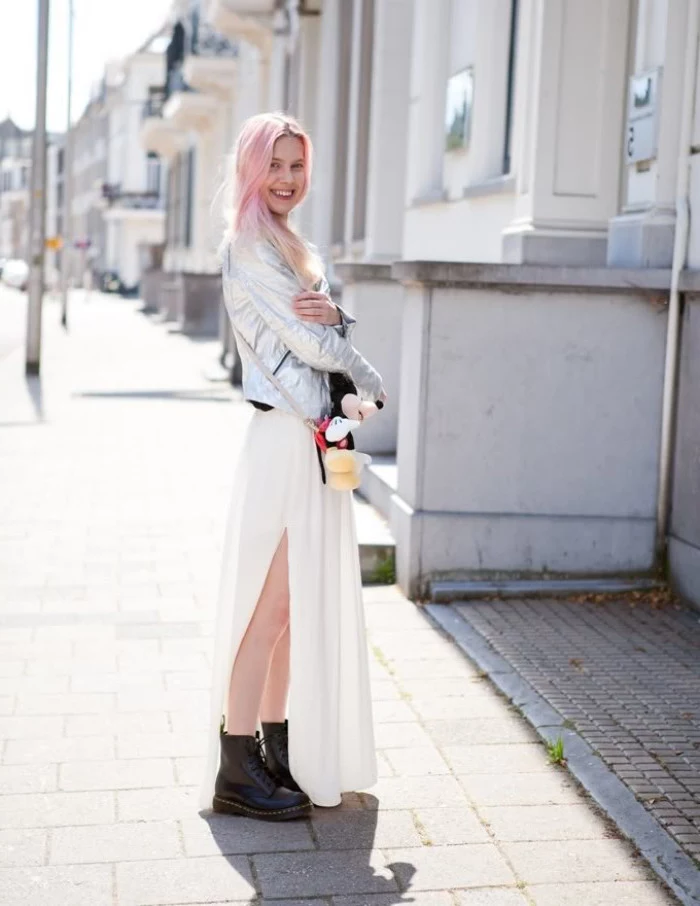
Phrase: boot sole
(227, 807)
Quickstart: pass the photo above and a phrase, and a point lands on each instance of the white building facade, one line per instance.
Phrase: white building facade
(499, 194)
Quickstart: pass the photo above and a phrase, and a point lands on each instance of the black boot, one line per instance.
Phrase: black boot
(275, 740)
(244, 785)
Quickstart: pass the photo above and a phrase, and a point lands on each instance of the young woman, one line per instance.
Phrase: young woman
(290, 635)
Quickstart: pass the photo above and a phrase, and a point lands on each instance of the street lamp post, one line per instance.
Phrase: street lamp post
(37, 208)
(67, 252)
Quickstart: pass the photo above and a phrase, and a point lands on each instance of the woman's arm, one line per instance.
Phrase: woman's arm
(270, 290)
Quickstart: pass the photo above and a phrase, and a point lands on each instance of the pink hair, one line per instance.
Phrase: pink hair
(251, 218)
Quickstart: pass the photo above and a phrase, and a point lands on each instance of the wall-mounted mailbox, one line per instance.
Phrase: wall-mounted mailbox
(643, 117)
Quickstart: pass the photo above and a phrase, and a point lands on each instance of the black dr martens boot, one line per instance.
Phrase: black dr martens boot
(275, 740)
(245, 786)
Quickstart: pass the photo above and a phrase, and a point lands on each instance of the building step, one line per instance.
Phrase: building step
(446, 592)
(379, 482)
(377, 546)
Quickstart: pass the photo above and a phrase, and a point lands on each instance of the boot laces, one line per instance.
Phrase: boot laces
(282, 740)
(258, 767)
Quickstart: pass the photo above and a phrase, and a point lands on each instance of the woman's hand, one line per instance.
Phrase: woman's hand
(317, 307)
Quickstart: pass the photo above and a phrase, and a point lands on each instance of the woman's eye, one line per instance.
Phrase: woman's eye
(298, 167)
(274, 166)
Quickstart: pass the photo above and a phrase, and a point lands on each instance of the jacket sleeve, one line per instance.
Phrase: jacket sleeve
(270, 291)
(347, 322)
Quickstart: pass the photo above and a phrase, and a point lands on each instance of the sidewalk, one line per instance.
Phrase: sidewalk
(114, 483)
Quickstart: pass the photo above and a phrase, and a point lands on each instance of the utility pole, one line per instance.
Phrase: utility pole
(37, 202)
(67, 248)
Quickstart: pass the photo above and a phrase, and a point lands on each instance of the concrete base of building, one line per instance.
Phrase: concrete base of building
(529, 421)
(643, 239)
(684, 544)
(376, 300)
(150, 286)
(200, 303)
(684, 563)
(169, 296)
(539, 246)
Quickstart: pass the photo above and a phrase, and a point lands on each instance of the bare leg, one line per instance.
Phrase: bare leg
(273, 708)
(250, 670)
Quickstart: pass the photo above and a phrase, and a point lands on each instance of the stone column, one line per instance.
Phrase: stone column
(368, 290)
(642, 235)
(571, 85)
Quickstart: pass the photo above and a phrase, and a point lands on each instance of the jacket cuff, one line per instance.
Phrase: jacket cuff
(347, 322)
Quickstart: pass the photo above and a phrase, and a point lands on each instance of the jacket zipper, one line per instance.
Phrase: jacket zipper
(281, 362)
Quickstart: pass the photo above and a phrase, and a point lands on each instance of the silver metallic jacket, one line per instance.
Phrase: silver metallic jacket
(258, 290)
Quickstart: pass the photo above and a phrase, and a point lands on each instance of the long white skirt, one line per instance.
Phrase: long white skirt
(278, 486)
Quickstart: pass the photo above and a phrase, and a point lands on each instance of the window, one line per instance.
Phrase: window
(510, 86)
(153, 173)
(341, 135)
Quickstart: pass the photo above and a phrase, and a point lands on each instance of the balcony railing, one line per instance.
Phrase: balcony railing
(154, 104)
(114, 196)
(203, 41)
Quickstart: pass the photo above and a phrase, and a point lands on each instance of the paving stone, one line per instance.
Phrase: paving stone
(401, 792)
(226, 834)
(64, 703)
(417, 898)
(189, 771)
(416, 762)
(453, 665)
(115, 842)
(84, 885)
(30, 728)
(602, 893)
(156, 805)
(440, 867)
(168, 881)
(401, 736)
(67, 666)
(520, 789)
(116, 774)
(543, 822)
(367, 830)
(574, 861)
(58, 749)
(323, 873)
(22, 847)
(392, 712)
(56, 809)
(191, 679)
(497, 759)
(479, 702)
(158, 745)
(109, 724)
(20, 778)
(479, 730)
(450, 826)
(500, 896)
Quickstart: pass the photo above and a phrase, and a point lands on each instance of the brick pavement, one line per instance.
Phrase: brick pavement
(115, 472)
(626, 675)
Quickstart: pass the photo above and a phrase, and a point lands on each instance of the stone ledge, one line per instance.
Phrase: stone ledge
(364, 271)
(533, 276)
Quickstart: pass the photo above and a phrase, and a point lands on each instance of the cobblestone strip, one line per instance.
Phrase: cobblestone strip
(490, 651)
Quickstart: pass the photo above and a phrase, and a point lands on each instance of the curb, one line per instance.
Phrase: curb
(666, 858)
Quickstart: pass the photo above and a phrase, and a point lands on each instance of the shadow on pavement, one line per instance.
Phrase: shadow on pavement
(332, 854)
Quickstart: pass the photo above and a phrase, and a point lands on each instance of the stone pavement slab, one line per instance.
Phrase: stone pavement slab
(115, 472)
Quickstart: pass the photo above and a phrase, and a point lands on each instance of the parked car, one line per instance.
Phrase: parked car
(15, 273)
(2, 264)
(110, 282)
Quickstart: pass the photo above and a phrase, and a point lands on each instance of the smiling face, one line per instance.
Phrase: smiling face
(284, 187)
